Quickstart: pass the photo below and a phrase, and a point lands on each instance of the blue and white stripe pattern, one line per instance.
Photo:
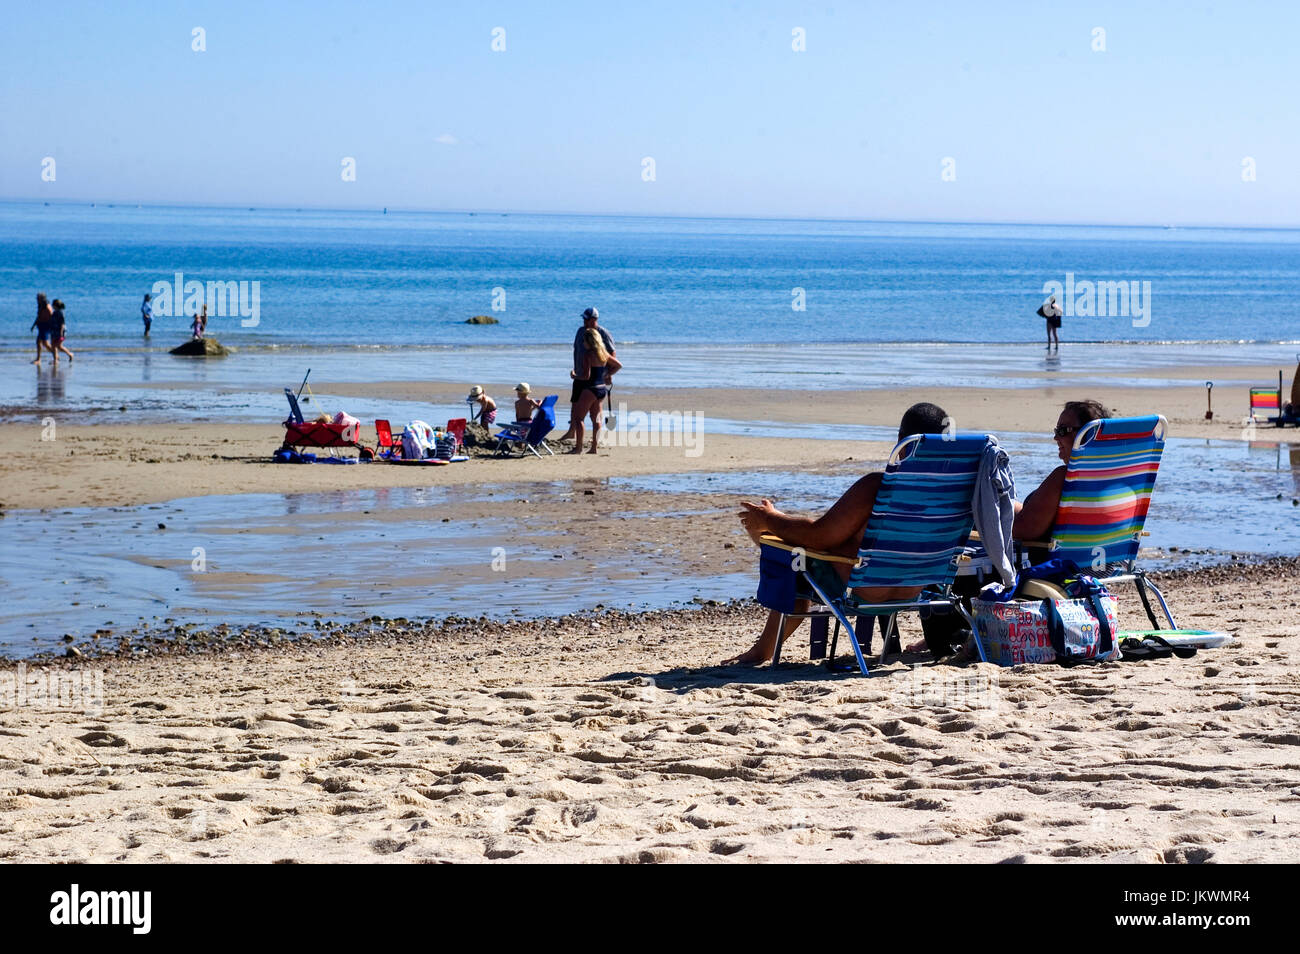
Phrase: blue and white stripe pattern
(922, 515)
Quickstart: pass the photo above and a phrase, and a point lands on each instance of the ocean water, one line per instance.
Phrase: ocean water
(367, 280)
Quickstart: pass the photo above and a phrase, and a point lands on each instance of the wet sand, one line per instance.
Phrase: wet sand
(116, 465)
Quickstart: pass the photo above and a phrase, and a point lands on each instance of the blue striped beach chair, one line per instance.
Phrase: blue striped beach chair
(529, 435)
(916, 535)
(1104, 502)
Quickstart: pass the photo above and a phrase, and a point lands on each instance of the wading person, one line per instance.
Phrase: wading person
(43, 325)
(1051, 311)
(58, 329)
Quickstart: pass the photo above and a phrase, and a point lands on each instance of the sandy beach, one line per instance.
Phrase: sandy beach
(617, 739)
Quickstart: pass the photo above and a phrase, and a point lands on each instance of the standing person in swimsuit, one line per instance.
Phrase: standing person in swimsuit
(43, 325)
(590, 319)
(1052, 312)
(146, 314)
(591, 380)
(58, 328)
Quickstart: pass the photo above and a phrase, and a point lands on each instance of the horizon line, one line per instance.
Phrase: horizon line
(378, 210)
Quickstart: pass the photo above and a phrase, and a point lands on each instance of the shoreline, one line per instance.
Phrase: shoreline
(227, 641)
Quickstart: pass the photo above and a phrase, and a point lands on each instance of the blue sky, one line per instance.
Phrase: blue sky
(1041, 127)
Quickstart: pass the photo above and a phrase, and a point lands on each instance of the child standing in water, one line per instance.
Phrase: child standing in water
(58, 329)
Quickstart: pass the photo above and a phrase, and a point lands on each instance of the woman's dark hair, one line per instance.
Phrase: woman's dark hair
(922, 419)
(1087, 411)
(40, 298)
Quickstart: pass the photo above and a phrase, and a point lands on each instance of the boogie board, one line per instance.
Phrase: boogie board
(1198, 638)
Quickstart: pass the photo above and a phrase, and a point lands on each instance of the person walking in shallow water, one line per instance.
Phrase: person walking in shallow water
(58, 328)
(146, 314)
(44, 326)
(1052, 312)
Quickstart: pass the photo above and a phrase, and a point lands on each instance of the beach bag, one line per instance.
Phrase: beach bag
(445, 448)
(1078, 626)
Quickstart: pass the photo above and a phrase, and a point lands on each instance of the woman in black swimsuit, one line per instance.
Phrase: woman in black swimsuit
(598, 366)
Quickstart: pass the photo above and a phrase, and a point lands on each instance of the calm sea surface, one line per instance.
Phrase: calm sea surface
(331, 278)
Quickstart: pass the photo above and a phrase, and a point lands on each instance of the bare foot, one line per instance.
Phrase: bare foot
(576, 450)
(592, 451)
(750, 658)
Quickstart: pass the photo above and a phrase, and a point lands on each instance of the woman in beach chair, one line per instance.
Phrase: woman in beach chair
(1036, 515)
(838, 531)
(1092, 508)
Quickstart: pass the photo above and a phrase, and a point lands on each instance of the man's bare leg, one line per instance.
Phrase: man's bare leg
(765, 647)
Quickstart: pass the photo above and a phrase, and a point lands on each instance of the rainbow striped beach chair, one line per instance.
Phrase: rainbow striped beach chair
(1265, 405)
(916, 535)
(1108, 482)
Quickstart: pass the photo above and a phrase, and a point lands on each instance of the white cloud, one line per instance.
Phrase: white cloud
(447, 139)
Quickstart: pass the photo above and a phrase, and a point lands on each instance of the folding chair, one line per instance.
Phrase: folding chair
(530, 434)
(389, 448)
(916, 534)
(1104, 501)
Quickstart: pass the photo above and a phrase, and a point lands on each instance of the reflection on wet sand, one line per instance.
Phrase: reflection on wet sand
(51, 386)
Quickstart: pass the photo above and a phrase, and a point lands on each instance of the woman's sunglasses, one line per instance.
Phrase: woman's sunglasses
(1060, 432)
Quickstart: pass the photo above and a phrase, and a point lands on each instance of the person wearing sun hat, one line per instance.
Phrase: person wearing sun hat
(590, 319)
(524, 405)
(486, 412)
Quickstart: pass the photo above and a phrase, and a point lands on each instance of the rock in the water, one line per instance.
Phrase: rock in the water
(482, 320)
(202, 348)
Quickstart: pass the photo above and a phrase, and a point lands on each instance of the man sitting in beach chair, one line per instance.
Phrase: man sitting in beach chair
(838, 533)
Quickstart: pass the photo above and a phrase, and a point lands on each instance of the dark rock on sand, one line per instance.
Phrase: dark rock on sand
(202, 348)
(477, 435)
(482, 320)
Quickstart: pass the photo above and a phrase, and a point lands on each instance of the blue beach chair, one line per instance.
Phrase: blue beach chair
(1108, 483)
(916, 535)
(295, 412)
(530, 434)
